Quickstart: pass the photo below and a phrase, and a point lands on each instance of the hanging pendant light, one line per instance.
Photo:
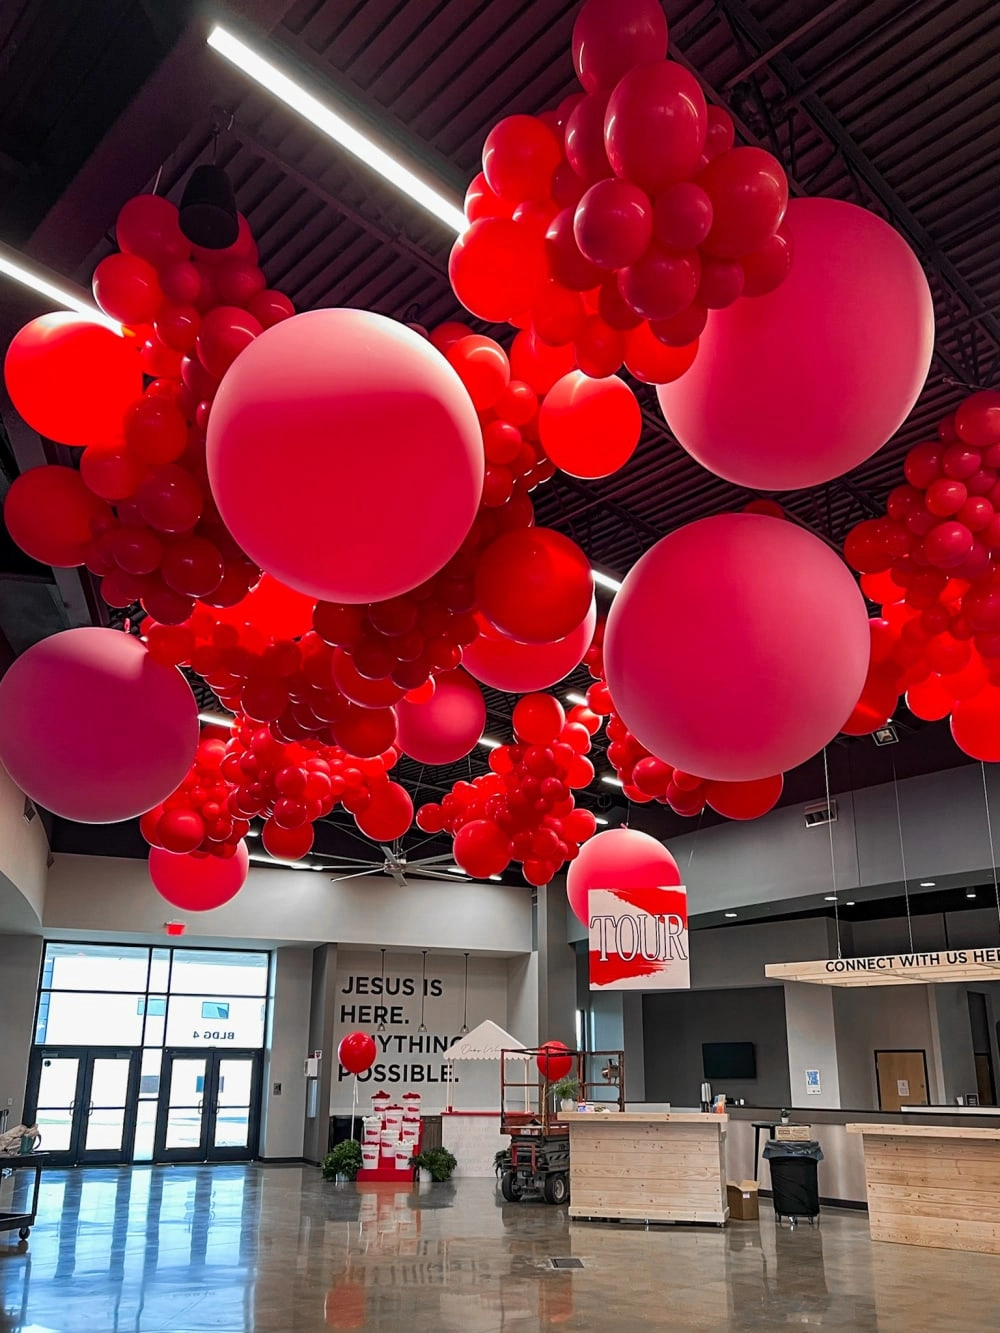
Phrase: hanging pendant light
(465, 1010)
(381, 1026)
(423, 995)
(208, 214)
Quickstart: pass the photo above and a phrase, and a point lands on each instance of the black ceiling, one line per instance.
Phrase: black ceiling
(889, 104)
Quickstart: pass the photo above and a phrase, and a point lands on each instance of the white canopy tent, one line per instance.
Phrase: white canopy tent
(485, 1042)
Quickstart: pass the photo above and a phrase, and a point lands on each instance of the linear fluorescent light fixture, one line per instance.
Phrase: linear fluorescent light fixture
(336, 127)
(217, 719)
(605, 580)
(13, 265)
(488, 743)
(612, 782)
(576, 699)
(599, 819)
(456, 870)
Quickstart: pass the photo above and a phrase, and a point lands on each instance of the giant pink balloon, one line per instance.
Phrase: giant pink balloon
(94, 728)
(737, 647)
(446, 727)
(522, 668)
(198, 883)
(345, 455)
(620, 858)
(799, 386)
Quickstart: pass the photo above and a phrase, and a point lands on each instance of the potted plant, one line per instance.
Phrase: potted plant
(786, 1115)
(343, 1161)
(434, 1164)
(566, 1090)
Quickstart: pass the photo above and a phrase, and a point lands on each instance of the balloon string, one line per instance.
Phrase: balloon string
(902, 854)
(989, 829)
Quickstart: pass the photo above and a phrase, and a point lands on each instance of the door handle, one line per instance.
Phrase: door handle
(90, 1109)
(201, 1107)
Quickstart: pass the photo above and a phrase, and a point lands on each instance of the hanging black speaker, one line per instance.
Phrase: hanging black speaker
(208, 209)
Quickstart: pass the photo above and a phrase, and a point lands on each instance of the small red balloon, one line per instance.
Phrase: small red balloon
(356, 1052)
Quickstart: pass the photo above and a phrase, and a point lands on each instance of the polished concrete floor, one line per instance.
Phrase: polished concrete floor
(230, 1249)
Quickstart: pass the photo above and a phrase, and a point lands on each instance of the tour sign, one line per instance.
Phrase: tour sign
(894, 969)
(639, 938)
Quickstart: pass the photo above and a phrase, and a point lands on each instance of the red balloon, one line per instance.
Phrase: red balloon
(382, 693)
(534, 584)
(613, 224)
(599, 349)
(721, 283)
(170, 499)
(557, 314)
(583, 139)
(365, 408)
(72, 378)
(655, 125)
(269, 307)
(556, 1062)
(198, 883)
(287, 844)
(483, 368)
(683, 329)
(148, 226)
(180, 830)
(519, 157)
(50, 514)
(975, 725)
(538, 365)
(481, 202)
(768, 267)
(757, 627)
(682, 216)
(497, 268)
(388, 815)
(618, 859)
(588, 427)
(653, 361)
(276, 611)
(366, 732)
(745, 800)
(482, 849)
(749, 194)
(538, 719)
(930, 699)
(356, 1052)
(610, 36)
(127, 288)
(977, 419)
(155, 430)
(94, 728)
(192, 566)
(662, 283)
(111, 471)
(224, 333)
(176, 326)
(519, 668)
(568, 265)
(447, 727)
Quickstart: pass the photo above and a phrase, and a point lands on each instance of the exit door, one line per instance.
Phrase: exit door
(209, 1107)
(83, 1099)
(902, 1079)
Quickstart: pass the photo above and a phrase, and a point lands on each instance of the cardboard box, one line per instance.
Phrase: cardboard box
(743, 1201)
(793, 1133)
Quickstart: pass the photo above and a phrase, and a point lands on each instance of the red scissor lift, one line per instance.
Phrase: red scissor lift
(537, 1163)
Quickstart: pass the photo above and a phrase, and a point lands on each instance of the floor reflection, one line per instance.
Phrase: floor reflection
(250, 1249)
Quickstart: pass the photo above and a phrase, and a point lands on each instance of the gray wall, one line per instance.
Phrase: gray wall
(20, 964)
(889, 1018)
(287, 1046)
(675, 1024)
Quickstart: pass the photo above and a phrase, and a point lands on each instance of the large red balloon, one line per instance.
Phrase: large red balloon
(655, 125)
(49, 512)
(785, 392)
(619, 858)
(447, 727)
(371, 418)
(534, 584)
(94, 728)
(736, 647)
(520, 668)
(198, 883)
(556, 1062)
(745, 800)
(497, 268)
(482, 848)
(588, 427)
(610, 36)
(975, 725)
(356, 1052)
(272, 608)
(387, 815)
(72, 378)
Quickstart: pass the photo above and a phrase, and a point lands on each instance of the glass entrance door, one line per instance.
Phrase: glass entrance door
(83, 1100)
(209, 1106)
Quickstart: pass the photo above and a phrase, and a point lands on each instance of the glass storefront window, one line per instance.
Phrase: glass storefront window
(218, 972)
(95, 967)
(243, 1025)
(75, 1019)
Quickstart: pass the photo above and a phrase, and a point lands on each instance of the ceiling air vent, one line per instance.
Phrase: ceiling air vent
(821, 812)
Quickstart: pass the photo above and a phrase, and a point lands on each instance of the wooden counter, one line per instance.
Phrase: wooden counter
(652, 1167)
(933, 1185)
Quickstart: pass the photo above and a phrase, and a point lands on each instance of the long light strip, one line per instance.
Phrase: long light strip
(605, 580)
(12, 265)
(488, 743)
(336, 127)
(217, 719)
(612, 782)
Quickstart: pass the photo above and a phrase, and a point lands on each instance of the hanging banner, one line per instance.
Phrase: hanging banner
(893, 969)
(639, 939)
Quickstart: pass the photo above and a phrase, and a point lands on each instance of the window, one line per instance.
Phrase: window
(215, 1009)
(154, 1006)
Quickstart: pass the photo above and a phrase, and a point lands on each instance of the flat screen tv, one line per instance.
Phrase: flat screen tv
(728, 1059)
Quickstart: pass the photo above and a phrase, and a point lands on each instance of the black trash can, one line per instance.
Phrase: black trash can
(794, 1182)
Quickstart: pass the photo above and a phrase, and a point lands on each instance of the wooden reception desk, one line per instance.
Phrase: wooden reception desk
(647, 1167)
(936, 1186)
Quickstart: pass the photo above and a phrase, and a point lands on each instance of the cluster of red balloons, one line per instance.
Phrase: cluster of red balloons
(646, 778)
(608, 228)
(932, 565)
(523, 809)
(139, 513)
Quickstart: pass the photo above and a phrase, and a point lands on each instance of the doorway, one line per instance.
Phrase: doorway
(901, 1077)
(209, 1106)
(83, 1099)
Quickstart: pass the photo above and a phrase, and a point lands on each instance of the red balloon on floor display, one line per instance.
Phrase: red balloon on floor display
(610, 36)
(368, 411)
(791, 357)
(72, 379)
(590, 428)
(198, 883)
(447, 727)
(356, 1052)
(619, 858)
(736, 647)
(482, 848)
(49, 513)
(62, 700)
(534, 584)
(556, 1061)
(520, 668)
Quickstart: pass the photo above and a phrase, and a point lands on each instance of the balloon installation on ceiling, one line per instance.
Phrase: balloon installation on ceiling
(327, 516)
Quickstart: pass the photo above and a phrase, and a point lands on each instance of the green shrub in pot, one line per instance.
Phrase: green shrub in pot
(343, 1159)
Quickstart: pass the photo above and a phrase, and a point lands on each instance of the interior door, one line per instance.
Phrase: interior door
(233, 1116)
(209, 1108)
(83, 1100)
(902, 1079)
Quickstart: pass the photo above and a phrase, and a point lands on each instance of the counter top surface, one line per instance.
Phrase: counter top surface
(644, 1117)
(898, 1131)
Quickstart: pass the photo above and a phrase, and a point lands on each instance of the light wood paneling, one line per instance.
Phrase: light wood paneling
(935, 1187)
(657, 1168)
